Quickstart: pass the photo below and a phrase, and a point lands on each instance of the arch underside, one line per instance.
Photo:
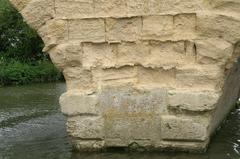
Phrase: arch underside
(157, 74)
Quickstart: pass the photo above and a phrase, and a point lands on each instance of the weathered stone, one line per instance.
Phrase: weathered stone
(133, 54)
(76, 103)
(192, 101)
(184, 129)
(102, 55)
(71, 9)
(157, 27)
(79, 79)
(214, 25)
(86, 127)
(123, 29)
(53, 33)
(110, 8)
(212, 51)
(158, 74)
(38, 12)
(64, 55)
(207, 77)
(87, 30)
(123, 76)
(20, 4)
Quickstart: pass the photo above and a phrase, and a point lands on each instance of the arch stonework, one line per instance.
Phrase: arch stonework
(155, 74)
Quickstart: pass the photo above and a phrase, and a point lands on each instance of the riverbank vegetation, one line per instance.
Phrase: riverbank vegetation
(21, 58)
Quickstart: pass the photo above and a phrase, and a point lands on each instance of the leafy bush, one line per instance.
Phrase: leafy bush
(21, 58)
(17, 39)
(21, 73)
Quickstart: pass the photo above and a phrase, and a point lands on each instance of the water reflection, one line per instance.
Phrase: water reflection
(32, 127)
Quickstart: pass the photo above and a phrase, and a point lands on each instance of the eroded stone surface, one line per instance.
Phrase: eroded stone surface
(158, 74)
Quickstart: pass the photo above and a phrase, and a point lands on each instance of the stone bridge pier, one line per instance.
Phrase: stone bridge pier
(148, 74)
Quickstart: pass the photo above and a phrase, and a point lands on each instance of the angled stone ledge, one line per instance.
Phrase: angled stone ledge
(196, 101)
(87, 30)
(183, 129)
(38, 12)
(86, 127)
(76, 103)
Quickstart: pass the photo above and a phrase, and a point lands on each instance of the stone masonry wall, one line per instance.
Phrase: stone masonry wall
(151, 74)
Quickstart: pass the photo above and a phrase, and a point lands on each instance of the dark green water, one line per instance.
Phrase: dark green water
(32, 127)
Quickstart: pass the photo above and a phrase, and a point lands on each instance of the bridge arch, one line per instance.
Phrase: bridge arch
(154, 73)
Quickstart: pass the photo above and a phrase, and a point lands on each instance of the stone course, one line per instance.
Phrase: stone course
(153, 74)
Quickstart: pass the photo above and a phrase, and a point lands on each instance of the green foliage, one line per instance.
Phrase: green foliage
(17, 40)
(21, 58)
(15, 72)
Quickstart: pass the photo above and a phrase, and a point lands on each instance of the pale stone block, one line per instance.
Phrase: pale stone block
(87, 30)
(86, 127)
(115, 76)
(127, 101)
(79, 79)
(77, 103)
(128, 129)
(137, 7)
(73, 9)
(53, 32)
(225, 5)
(123, 29)
(175, 52)
(201, 77)
(132, 54)
(156, 77)
(110, 8)
(192, 100)
(185, 26)
(158, 27)
(212, 51)
(88, 145)
(20, 4)
(38, 12)
(99, 55)
(215, 25)
(67, 54)
(183, 128)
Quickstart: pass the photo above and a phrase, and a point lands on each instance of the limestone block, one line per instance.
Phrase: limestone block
(87, 30)
(67, 54)
(225, 5)
(53, 32)
(20, 4)
(183, 128)
(212, 51)
(157, 27)
(79, 79)
(192, 100)
(185, 26)
(115, 76)
(127, 101)
(156, 77)
(38, 12)
(215, 25)
(133, 54)
(88, 145)
(110, 8)
(102, 55)
(201, 77)
(173, 51)
(77, 103)
(86, 127)
(131, 128)
(73, 9)
(137, 7)
(123, 29)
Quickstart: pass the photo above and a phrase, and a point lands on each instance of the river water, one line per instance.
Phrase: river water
(32, 127)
